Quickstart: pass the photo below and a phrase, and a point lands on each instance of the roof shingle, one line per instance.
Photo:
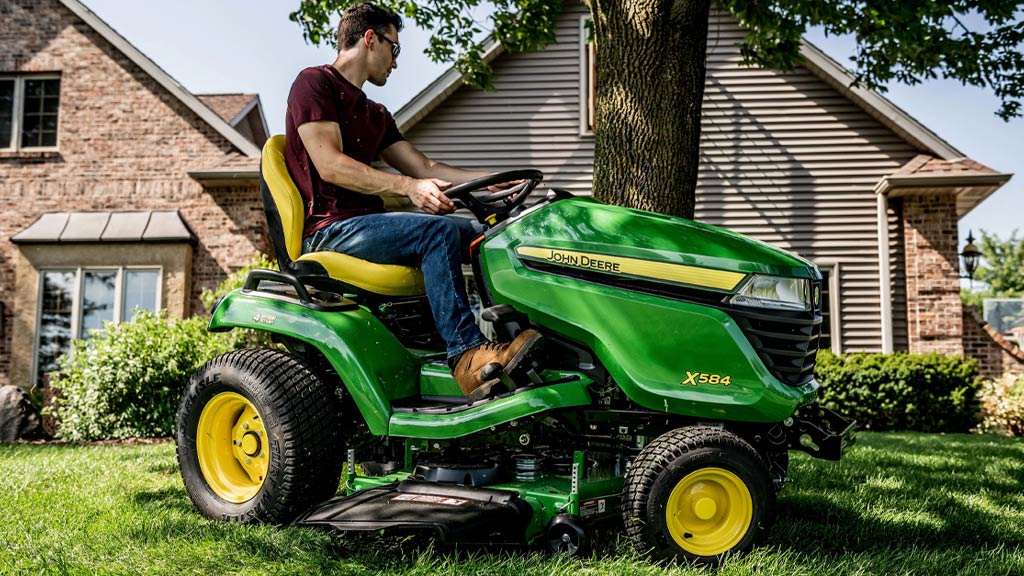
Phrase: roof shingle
(227, 106)
(927, 165)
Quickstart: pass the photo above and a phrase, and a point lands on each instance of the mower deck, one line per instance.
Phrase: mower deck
(454, 513)
(514, 512)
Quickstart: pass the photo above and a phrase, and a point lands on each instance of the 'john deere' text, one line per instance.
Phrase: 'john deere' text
(581, 261)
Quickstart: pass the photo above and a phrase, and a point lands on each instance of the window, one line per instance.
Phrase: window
(55, 318)
(75, 302)
(588, 79)
(29, 108)
(825, 341)
(830, 338)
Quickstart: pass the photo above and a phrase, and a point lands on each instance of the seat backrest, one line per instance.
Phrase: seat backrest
(282, 203)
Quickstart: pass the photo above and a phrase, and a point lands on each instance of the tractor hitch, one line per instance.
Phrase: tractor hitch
(818, 431)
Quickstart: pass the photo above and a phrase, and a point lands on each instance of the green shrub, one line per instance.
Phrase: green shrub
(126, 379)
(241, 337)
(1002, 406)
(922, 392)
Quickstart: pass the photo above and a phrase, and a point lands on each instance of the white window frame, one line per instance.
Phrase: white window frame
(19, 108)
(76, 299)
(835, 318)
(588, 101)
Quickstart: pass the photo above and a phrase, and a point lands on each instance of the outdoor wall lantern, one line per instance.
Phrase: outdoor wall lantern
(971, 254)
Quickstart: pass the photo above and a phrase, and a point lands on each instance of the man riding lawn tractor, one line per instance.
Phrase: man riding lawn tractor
(676, 373)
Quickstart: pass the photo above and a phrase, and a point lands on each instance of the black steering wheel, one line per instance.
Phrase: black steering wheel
(496, 206)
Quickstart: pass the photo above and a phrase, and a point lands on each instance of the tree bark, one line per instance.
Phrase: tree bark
(650, 87)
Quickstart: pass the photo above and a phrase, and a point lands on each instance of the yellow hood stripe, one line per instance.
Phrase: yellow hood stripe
(664, 271)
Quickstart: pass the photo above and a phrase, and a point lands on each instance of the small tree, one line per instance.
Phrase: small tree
(1001, 271)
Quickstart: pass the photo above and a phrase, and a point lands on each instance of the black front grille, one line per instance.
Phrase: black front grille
(787, 342)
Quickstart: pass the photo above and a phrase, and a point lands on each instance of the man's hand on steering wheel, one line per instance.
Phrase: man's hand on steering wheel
(508, 191)
(428, 195)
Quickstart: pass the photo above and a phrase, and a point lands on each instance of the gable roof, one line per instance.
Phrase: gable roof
(163, 78)
(819, 63)
(971, 181)
(239, 108)
(230, 107)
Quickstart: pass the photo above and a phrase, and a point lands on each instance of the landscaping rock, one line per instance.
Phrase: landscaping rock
(18, 416)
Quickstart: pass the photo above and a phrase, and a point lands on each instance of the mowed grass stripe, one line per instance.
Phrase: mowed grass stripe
(899, 503)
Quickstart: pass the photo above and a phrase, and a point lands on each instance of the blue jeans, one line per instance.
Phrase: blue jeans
(433, 243)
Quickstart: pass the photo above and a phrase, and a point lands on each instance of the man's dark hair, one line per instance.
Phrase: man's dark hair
(362, 17)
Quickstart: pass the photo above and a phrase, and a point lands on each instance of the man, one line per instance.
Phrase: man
(333, 134)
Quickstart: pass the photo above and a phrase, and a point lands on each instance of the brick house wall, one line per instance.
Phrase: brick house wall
(995, 355)
(934, 311)
(936, 320)
(124, 143)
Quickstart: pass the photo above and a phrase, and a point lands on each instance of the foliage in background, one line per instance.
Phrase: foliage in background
(920, 392)
(1001, 270)
(126, 380)
(241, 337)
(235, 280)
(1002, 406)
(521, 25)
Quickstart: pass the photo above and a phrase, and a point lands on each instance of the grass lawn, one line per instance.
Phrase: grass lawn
(897, 504)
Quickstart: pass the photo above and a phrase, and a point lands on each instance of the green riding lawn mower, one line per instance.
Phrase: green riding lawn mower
(675, 375)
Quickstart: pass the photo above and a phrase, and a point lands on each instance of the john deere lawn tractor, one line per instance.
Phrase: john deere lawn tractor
(676, 374)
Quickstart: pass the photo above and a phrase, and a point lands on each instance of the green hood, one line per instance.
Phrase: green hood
(590, 227)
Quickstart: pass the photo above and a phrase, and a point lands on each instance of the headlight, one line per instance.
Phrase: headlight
(774, 292)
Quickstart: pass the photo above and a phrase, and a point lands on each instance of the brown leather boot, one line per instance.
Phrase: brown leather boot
(508, 354)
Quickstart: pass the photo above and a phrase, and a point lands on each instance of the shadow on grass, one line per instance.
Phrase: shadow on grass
(907, 492)
(936, 499)
(322, 550)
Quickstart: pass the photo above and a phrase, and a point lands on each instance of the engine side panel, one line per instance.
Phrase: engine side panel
(666, 353)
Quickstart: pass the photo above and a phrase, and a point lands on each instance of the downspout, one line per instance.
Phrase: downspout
(885, 279)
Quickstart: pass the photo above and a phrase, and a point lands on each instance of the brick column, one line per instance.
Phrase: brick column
(934, 311)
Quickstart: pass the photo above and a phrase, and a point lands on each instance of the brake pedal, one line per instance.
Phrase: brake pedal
(508, 381)
(495, 371)
(534, 377)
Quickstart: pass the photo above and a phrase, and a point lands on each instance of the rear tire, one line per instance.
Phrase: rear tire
(259, 437)
(697, 493)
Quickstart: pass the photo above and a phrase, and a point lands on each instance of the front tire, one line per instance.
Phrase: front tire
(697, 493)
(259, 437)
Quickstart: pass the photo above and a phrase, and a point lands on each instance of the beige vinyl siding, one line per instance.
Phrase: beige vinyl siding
(530, 120)
(785, 158)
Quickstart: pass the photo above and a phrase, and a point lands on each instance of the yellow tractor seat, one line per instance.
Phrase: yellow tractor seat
(286, 212)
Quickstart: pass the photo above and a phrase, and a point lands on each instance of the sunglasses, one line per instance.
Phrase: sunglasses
(396, 48)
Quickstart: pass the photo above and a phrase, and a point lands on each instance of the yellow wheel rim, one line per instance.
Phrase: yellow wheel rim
(232, 447)
(709, 511)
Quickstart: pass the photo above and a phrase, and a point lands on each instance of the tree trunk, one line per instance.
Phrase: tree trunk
(650, 86)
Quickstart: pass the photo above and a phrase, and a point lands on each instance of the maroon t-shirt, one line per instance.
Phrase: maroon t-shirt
(367, 128)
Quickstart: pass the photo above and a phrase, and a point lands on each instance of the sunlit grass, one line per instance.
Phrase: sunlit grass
(896, 504)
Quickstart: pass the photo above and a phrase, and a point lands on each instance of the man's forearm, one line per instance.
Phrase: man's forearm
(353, 175)
(451, 173)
